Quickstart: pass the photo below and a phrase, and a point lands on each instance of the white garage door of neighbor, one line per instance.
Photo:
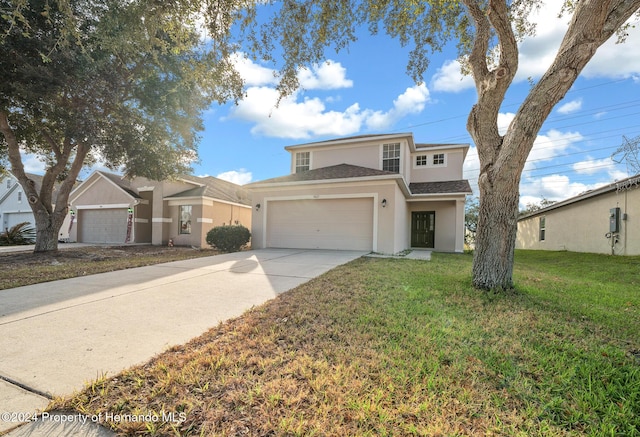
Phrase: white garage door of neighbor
(343, 224)
(10, 219)
(102, 225)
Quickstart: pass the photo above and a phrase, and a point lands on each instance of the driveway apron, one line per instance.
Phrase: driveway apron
(57, 336)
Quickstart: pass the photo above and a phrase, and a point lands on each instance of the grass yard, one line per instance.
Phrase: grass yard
(400, 347)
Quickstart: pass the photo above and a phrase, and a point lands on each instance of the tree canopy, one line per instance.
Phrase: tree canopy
(119, 82)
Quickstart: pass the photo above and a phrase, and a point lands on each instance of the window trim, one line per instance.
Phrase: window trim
(383, 159)
(297, 168)
(439, 164)
(429, 160)
(421, 161)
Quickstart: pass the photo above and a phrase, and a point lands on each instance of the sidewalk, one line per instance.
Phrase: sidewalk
(55, 337)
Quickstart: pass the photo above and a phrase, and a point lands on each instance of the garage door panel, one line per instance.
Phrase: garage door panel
(345, 224)
(102, 225)
(13, 218)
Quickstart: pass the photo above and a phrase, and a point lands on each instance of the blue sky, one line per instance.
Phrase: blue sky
(365, 89)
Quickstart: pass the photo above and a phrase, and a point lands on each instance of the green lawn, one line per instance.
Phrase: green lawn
(402, 347)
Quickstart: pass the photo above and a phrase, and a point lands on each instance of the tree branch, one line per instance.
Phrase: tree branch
(62, 201)
(592, 24)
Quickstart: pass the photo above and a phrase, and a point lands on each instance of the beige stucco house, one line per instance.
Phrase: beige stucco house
(604, 220)
(381, 193)
(109, 208)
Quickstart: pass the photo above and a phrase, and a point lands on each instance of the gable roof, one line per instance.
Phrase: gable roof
(624, 184)
(214, 188)
(121, 182)
(340, 171)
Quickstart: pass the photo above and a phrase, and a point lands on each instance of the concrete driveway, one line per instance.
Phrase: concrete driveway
(56, 336)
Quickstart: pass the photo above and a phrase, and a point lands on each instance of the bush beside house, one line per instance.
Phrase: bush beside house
(228, 238)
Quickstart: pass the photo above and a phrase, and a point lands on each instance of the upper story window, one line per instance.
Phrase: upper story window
(421, 161)
(303, 161)
(438, 159)
(8, 183)
(19, 196)
(391, 157)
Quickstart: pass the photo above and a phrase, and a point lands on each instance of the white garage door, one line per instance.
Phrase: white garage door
(344, 224)
(10, 219)
(102, 225)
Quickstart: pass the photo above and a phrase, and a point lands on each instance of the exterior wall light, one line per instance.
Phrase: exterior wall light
(257, 207)
(384, 203)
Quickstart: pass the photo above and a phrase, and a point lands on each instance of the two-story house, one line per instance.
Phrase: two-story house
(383, 193)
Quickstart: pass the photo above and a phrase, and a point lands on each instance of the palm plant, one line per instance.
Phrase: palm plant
(22, 233)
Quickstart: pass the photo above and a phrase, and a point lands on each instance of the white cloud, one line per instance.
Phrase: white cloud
(569, 107)
(504, 120)
(327, 76)
(240, 177)
(553, 187)
(32, 164)
(412, 101)
(252, 73)
(550, 145)
(297, 117)
(592, 166)
(449, 78)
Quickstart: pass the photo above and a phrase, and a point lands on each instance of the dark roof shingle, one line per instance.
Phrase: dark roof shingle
(444, 187)
(340, 171)
(216, 189)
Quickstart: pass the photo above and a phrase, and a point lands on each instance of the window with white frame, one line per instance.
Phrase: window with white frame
(438, 159)
(303, 161)
(185, 219)
(391, 157)
(422, 161)
(543, 228)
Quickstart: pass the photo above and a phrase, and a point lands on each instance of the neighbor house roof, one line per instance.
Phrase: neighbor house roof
(214, 188)
(624, 184)
(37, 179)
(121, 182)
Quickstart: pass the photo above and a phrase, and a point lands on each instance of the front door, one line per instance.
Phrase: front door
(423, 229)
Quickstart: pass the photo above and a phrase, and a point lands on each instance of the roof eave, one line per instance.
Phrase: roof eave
(259, 185)
(362, 139)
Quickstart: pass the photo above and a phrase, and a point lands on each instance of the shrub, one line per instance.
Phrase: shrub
(22, 233)
(228, 238)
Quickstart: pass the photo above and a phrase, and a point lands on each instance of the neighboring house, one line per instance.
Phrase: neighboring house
(382, 193)
(109, 208)
(604, 220)
(15, 208)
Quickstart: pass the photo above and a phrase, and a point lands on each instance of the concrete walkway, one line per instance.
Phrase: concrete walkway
(57, 336)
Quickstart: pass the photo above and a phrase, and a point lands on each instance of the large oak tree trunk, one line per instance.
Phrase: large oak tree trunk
(496, 234)
(47, 229)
